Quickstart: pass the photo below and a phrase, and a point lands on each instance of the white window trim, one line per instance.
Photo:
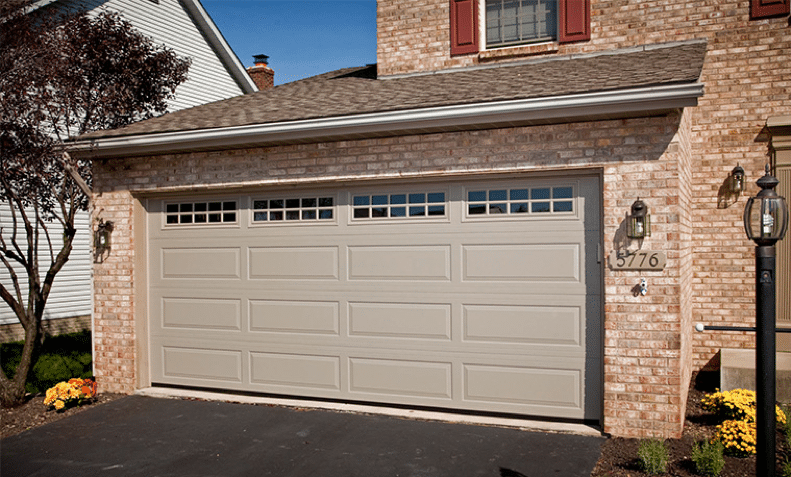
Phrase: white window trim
(483, 45)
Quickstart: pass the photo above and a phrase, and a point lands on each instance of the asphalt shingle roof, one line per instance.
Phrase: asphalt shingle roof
(352, 91)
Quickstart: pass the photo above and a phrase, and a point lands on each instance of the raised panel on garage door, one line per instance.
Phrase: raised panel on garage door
(477, 295)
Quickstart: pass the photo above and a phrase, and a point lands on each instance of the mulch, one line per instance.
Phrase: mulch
(619, 455)
(33, 413)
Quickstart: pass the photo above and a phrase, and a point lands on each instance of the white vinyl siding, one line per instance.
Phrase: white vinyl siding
(71, 292)
(165, 22)
(168, 23)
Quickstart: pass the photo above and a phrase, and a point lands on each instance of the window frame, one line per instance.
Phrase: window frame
(301, 222)
(398, 191)
(237, 210)
(483, 33)
(521, 216)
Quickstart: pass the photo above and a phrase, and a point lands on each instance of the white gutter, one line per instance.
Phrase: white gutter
(220, 46)
(495, 114)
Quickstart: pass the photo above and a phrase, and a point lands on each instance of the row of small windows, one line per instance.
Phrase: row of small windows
(304, 209)
(520, 201)
(201, 213)
(420, 204)
(482, 202)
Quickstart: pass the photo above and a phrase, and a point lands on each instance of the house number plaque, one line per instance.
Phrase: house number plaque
(638, 260)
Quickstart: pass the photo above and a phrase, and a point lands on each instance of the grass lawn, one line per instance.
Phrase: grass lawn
(62, 357)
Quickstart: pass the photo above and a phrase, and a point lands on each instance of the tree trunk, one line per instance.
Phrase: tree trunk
(12, 391)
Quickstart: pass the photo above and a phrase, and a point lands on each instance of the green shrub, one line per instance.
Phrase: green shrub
(62, 357)
(786, 468)
(653, 455)
(708, 458)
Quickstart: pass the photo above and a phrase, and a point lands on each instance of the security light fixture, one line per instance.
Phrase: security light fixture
(102, 236)
(639, 225)
(736, 180)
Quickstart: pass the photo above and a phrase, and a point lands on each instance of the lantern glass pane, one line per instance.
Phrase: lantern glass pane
(766, 218)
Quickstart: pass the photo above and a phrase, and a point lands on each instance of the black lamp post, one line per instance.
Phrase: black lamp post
(765, 221)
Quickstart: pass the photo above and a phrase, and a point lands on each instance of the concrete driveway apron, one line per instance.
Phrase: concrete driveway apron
(144, 436)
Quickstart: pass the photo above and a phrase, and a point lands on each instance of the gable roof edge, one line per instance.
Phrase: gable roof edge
(217, 41)
(635, 101)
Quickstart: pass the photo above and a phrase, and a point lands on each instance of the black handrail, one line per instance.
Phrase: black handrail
(741, 328)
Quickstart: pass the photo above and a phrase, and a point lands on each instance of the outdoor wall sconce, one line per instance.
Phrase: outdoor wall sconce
(101, 238)
(639, 225)
(737, 180)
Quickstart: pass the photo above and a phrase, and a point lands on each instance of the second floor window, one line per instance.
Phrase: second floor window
(511, 22)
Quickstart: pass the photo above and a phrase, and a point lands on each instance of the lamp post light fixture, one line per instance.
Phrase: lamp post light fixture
(639, 225)
(737, 180)
(766, 222)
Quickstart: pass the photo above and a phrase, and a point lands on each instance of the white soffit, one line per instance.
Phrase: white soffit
(441, 118)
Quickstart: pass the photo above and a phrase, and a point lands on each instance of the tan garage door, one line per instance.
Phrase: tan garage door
(475, 295)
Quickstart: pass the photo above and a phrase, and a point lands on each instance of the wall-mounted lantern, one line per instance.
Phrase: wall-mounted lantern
(737, 180)
(766, 214)
(639, 225)
(102, 236)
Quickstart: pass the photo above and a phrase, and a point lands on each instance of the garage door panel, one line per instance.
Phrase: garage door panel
(399, 263)
(402, 320)
(295, 370)
(532, 386)
(284, 316)
(476, 312)
(206, 263)
(516, 262)
(537, 325)
(294, 263)
(400, 377)
(202, 313)
(202, 363)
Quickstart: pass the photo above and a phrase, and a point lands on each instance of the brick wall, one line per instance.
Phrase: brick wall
(644, 336)
(677, 164)
(747, 74)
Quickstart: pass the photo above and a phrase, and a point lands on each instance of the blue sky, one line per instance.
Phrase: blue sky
(302, 37)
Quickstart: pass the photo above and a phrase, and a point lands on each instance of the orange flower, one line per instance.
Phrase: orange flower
(76, 381)
(86, 390)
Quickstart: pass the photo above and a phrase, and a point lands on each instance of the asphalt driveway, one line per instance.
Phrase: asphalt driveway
(144, 436)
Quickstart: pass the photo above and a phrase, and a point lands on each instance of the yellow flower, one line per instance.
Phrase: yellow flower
(51, 396)
(59, 405)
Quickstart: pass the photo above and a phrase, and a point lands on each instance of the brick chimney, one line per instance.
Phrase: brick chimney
(261, 73)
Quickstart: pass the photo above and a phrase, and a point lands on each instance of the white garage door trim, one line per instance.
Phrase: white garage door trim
(481, 295)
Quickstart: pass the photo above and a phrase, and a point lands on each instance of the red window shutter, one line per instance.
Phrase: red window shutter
(769, 8)
(463, 27)
(574, 20)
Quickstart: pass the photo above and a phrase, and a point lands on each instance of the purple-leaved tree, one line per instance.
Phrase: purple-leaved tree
(61, 77)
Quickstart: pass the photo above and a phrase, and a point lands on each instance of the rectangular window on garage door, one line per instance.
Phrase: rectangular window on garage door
(307, 208)
(397, 206)
(191, 213)
(520, 201)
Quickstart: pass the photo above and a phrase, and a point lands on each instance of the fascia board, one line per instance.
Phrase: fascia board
(501, 113)
(223, 49)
